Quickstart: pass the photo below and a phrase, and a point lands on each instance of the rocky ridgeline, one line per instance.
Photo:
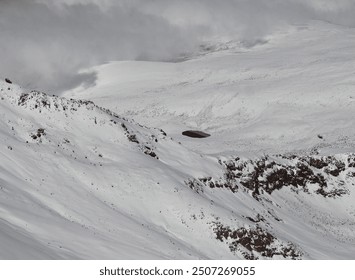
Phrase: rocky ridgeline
(42, 102)
(39, 101)
(254, 242)
(328, 176)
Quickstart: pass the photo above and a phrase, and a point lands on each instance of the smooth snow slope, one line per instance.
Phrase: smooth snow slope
(275, 96)
(78, 181)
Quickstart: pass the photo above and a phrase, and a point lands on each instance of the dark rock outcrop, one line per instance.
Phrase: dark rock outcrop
(195, 134)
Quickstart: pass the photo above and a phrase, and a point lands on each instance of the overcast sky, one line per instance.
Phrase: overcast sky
(44, 43)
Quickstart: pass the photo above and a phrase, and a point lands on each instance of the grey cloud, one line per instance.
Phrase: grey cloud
(42, 46)
(45, 43)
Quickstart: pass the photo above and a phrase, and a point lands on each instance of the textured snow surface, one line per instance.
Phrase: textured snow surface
(275, 179)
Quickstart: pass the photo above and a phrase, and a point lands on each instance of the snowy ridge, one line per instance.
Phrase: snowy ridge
(70, 165)
(73, 174)
(87, 112)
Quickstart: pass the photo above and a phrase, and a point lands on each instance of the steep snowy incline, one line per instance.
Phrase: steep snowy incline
(78, 181)
(293, 91)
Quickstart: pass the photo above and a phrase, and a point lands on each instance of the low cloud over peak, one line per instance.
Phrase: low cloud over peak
(45, 43)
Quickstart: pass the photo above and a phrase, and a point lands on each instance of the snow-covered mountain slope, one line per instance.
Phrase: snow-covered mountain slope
(79, 181)
(275, 180)
(83, 182)
(275, 96)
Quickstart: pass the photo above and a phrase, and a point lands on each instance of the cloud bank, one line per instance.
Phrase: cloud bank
(45, 43)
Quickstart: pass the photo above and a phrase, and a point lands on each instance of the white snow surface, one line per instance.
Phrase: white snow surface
(275, 96)
(79, 181)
